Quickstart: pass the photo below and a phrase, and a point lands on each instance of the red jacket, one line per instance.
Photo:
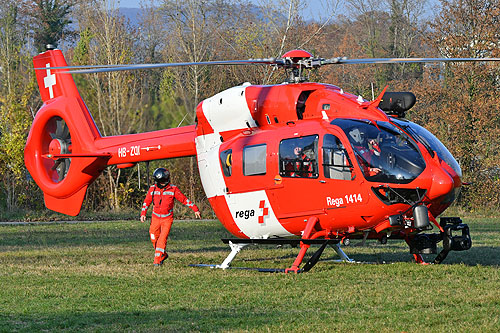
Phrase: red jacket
(163, 200)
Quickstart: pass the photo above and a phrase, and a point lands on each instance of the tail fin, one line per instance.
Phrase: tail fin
(60, 150)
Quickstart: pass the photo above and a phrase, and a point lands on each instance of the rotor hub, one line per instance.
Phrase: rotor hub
(295, 63)
(58, 146)
(297, 55)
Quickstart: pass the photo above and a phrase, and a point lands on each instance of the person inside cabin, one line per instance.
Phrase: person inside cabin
(301, 165)
(367, 151)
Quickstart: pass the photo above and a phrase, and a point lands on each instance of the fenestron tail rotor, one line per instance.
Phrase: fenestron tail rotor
(60, 144)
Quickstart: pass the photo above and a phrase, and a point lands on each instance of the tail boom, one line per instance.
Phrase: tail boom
(163, 144)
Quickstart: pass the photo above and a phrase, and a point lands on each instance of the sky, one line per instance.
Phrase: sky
(313, 5)
(313, 10)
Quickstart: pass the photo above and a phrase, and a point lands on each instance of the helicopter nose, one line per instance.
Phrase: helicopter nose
(442, 184)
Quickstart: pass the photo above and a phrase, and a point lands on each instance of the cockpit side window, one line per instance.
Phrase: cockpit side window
(299, 157)
(336, 162)
(365, 143)
(226, 160)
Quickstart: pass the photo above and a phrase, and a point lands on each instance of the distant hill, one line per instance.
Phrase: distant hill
(131, 14)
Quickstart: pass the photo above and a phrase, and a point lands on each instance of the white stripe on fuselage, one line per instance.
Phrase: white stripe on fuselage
(210, 169)
(228, 111)
(246, 208)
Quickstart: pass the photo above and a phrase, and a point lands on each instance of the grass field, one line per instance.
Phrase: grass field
(99, 277)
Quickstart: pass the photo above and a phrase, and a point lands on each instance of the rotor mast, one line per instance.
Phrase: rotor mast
(295, 63)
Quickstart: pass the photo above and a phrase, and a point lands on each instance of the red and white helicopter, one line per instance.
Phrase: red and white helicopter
(294, 163)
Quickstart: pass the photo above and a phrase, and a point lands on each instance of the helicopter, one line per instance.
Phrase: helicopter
(297, 163)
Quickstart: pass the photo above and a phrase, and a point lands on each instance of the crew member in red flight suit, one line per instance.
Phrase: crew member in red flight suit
(302, 163)
(162, 195)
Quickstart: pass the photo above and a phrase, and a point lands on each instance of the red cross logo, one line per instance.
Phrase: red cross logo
(265, 211)
(50, 81)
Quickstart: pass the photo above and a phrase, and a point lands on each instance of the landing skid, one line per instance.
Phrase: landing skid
(237, 245)
(263, 270)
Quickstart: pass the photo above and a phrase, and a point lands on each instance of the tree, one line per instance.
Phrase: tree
(17, 88)
(372, 18)
(467, 100)
(193, 27)
(51, 21)
(405, 28)
(106, 38)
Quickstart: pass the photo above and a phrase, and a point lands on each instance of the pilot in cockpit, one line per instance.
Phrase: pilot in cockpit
(367, 151)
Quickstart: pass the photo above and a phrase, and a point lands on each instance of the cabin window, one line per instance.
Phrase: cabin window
(254, 160)
(299, 157)
(226, 160)
(336, 162)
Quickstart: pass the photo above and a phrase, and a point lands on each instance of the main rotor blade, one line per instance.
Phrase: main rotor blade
(115, 68)
(307, 63)
(80, 67)
(400, 60)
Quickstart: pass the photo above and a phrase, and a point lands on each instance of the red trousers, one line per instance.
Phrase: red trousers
(158, 232)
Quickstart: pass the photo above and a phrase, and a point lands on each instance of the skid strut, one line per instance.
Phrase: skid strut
(238, 244)
(311, 222)
(342, 255)
(235, 249)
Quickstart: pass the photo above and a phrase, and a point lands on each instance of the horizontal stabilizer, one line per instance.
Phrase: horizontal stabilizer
(55, 156)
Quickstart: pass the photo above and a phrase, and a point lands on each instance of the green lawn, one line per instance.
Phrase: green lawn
(99, 277)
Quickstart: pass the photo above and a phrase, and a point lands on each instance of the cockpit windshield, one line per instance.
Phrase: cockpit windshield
(384, 153)
(430, 142)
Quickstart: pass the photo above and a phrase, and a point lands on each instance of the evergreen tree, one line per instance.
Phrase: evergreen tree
(51, 22)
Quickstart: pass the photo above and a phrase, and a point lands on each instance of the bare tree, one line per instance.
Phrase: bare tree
(112, 96)
(405, 28)
(370, 14)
